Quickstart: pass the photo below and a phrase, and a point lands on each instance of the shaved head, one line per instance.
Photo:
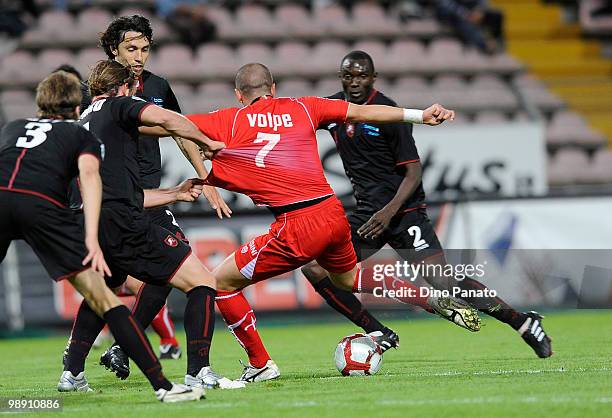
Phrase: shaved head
(254, 80)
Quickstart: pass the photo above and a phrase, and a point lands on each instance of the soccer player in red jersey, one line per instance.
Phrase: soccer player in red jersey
(271, 156)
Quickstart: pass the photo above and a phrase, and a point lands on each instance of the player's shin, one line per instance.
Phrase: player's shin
(164, 327)
(132, 339)
(199, 327)
(87, 326)
(241, 321)
(149, 302)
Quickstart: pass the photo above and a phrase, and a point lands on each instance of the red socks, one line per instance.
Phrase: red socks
(241, 321)
(164, 327)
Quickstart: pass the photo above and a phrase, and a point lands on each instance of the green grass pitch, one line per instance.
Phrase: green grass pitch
(439, 371)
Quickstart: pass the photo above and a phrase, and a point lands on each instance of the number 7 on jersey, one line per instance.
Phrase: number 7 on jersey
(272, 140)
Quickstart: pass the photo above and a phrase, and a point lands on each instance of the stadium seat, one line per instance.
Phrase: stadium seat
(255, 23)
(536, 92)
(294, 88)
(215, 60)
(444, 55)
(86, 59)
(369, 19)
(327, 86)
(54, 28)
(254, 52)
(403, 56)
(600, 25)
(215, 95)
(18, 69)
(333, 20)
(325, 58)
(91, 22)
(224, 21)
(422, 28)
(565, 167)
(290, 58)
(297, 22)
(600, 169)
(175, 62)
(49, 59)
(569, 128)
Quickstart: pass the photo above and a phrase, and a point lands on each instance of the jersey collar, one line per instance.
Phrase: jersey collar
(265, 96)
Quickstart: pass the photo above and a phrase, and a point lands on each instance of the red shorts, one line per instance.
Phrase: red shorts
(320, 232)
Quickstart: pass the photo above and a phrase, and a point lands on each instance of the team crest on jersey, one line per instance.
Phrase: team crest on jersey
(244, 249)
(350, 130)
(171, 241)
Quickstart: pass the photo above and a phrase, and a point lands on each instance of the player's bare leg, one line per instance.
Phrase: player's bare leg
(100, 301)
(242, 323)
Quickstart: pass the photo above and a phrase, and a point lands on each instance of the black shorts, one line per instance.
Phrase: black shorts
(55, 234)
(411, 234)
(134, 246)
(163, 216)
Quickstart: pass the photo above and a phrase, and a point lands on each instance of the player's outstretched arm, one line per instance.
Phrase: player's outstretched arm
(188, 191)
(91, 192)
(178, 125)
(433, 115)
(192, 152)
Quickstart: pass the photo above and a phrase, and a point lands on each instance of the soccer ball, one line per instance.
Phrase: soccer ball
(358, 355)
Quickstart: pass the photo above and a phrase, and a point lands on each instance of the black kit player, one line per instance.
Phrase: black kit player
(383, 166)
(38, 159)
(132, 243)
(127, 40)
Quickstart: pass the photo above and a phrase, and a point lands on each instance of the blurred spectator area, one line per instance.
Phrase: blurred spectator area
(418, 62)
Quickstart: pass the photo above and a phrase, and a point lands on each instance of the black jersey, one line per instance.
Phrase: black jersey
(39, 156)
(374, 158)
(155, 90)
(115, 120)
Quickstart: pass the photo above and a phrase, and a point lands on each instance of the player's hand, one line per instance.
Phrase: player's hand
(189, 190)
(216, 202)
(377, 224)
(437, 114)
(210, 148)
(95, 256)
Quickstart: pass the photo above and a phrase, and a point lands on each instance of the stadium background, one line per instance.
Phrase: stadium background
(526, 163)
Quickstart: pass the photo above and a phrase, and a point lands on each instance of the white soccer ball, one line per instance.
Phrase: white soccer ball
(358, 355)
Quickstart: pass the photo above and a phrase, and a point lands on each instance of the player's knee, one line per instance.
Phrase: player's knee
(314, 272)
(343, 281)
(193, 274)
(94, 290)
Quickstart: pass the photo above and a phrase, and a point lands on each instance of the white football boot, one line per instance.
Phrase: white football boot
(208, 379)
(179, 393)
(70, 383)
(251, 374)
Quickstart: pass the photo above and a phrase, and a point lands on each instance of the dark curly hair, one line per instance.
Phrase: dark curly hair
(115, 32)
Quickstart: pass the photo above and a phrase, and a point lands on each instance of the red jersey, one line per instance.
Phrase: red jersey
(271, 148)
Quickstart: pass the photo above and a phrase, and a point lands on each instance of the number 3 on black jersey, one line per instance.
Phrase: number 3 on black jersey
(36, 134)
